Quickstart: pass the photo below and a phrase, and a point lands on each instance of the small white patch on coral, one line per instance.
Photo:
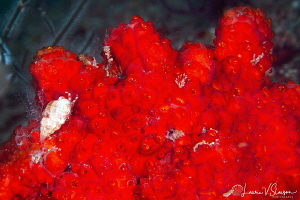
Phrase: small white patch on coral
(203, 142)
(254, 61)
(205, 130)
(109, 65)
(107, 53)
(181, 80)
(242, 144)
(174, 134)
(36, 156)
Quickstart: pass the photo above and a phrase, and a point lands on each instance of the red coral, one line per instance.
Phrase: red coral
(150, 122)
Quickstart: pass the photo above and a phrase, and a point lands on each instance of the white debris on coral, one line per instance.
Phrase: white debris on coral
(203, 142)
(181, 80)
(243, 144)
(205, 130)
(55, 115)
(36, 156)
(107, 53)
(108, 66)
(254, 61)
(174, 134)
(88, 61)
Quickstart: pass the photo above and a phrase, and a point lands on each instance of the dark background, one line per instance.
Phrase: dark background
(81, 26)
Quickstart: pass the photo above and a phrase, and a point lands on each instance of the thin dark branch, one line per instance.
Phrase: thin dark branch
(14, 18)
(47, 20)
(71, 21)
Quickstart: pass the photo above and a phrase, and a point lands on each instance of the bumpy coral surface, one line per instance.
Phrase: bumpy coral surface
(150, 122)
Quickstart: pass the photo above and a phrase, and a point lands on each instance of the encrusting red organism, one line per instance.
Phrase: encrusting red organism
(150, 122)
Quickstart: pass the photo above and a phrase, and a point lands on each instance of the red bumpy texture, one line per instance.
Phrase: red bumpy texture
(151, 122)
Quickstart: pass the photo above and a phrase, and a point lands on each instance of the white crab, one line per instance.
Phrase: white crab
(55, 115)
